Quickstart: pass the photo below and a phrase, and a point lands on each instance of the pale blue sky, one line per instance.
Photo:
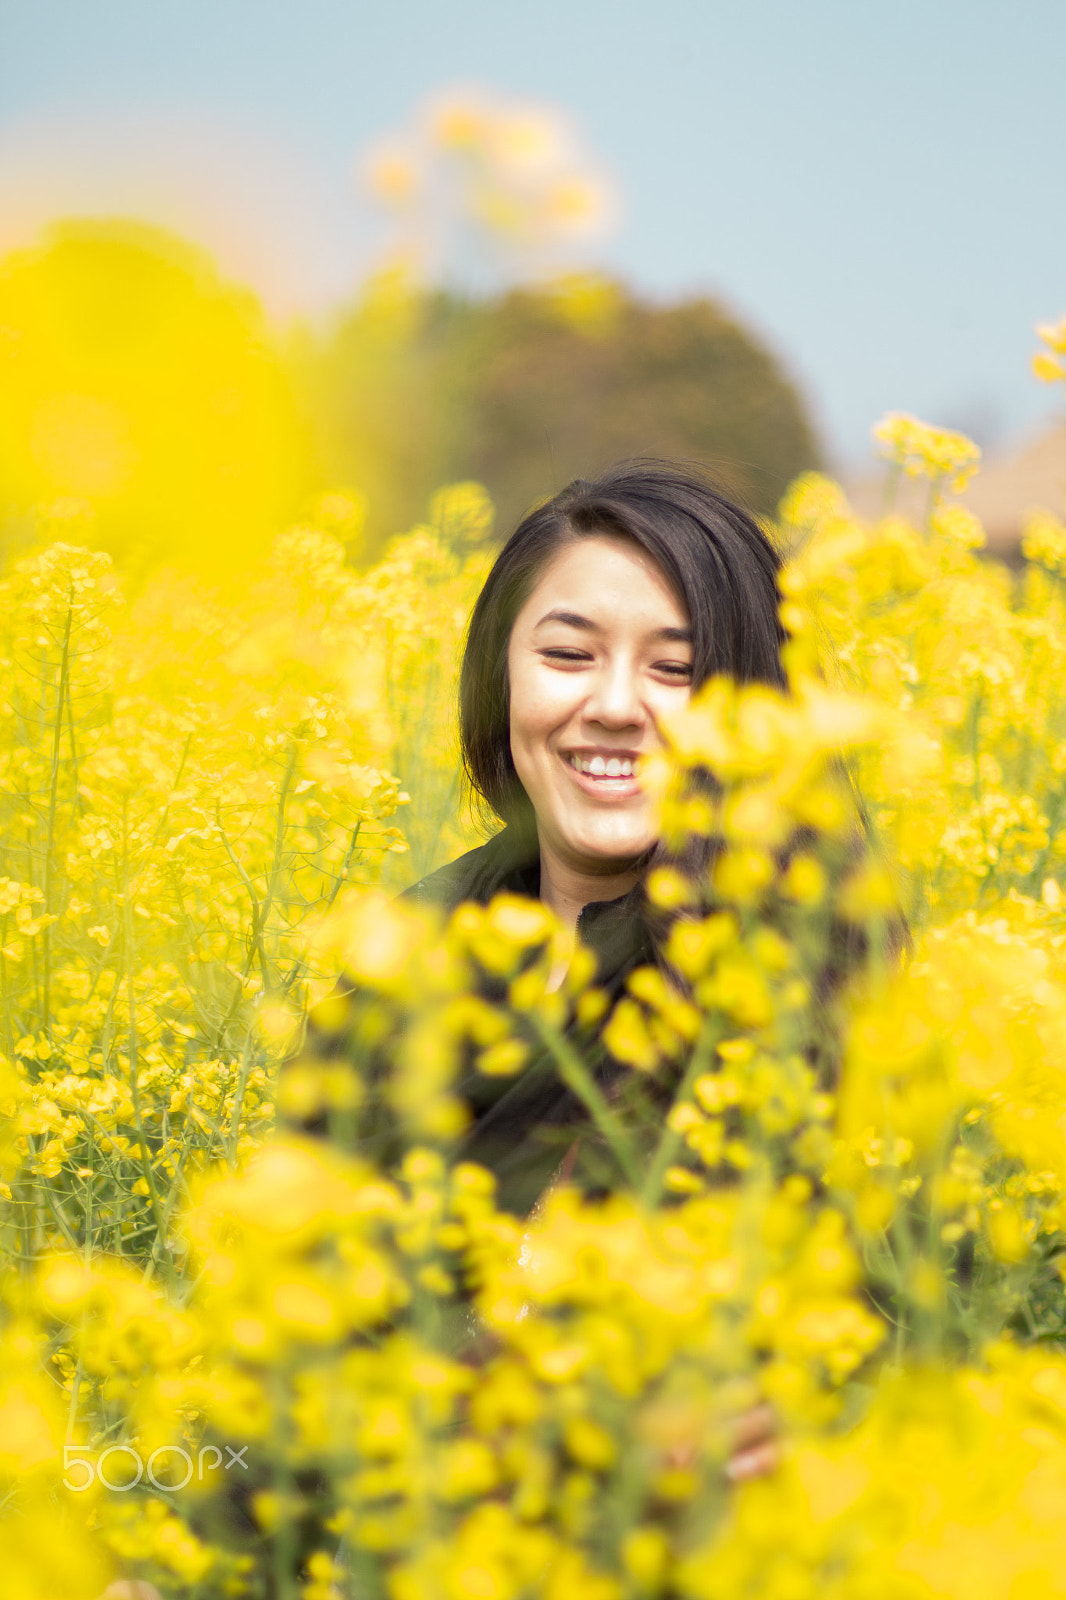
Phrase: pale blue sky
(878, 190)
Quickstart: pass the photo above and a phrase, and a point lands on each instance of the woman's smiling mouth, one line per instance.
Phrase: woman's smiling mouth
(612, 769)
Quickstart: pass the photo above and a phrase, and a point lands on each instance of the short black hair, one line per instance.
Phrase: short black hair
(713, 552)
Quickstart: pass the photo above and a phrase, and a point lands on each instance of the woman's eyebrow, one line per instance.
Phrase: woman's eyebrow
(574, 619)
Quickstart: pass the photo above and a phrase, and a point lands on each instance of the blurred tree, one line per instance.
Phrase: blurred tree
(144, 400)
(528, 390)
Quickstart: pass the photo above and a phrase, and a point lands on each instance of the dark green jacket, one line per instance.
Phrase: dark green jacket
(524, 1127)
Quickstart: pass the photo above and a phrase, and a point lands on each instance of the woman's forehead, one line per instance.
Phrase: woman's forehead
(606, 577)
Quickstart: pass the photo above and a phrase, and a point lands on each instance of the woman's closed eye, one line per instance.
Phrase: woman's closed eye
(570, 657)
(680, 671)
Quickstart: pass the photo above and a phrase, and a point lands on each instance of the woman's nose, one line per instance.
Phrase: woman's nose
(615, 699)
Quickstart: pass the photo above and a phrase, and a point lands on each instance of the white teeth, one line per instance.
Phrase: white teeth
(599, 767)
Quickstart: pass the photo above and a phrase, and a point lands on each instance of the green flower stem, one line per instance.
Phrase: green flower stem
(576, 1075)
(670, 1141)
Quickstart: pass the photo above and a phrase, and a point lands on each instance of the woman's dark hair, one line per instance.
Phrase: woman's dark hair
(718, 559)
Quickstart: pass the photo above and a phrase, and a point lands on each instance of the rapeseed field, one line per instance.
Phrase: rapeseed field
(238, 1359)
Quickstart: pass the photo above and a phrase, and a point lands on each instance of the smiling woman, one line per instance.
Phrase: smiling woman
(604, 610)
(606, 607)
(599, 653)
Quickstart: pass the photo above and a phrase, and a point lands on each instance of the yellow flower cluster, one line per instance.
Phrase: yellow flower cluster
(823, 1150)
(947, 1487)
(923, 451)
(515, 170)
(185, 777)
(1048, 363)
(1044, 542)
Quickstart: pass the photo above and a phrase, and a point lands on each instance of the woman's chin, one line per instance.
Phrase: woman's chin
(605, 858)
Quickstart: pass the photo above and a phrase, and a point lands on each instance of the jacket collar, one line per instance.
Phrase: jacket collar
(509, 863)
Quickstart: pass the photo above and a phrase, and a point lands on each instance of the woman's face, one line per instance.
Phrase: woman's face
(598, 653)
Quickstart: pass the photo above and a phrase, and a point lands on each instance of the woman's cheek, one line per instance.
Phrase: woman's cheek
(666, 700)
(553, 700)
